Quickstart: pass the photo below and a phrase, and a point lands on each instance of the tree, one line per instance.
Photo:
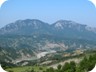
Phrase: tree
(10, 71)
(72, 66)
(51, 69)
(91, 63)
(84, 64)
(66, 67)
(32, 70)
(59, 66)
(78, 69)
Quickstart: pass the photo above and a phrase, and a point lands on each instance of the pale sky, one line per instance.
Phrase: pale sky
(81, 11)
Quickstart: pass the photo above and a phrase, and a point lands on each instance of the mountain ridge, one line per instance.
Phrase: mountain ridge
(66, 28)
(27, 38)
(33, 21)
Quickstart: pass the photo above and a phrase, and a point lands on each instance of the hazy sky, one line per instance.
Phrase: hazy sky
(81, 11)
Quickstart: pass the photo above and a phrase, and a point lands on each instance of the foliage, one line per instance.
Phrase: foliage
(85, 65)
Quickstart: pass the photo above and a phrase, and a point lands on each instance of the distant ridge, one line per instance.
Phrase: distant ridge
(63, 28)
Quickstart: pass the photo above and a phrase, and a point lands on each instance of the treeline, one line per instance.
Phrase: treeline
(6, 65)
(87, 64)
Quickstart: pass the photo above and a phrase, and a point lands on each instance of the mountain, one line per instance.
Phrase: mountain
(72, 29)
(25, 27)
(24, 39)
(62, 24)
(61, 28)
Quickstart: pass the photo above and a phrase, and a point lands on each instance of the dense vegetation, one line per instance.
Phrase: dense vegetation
(85, 65)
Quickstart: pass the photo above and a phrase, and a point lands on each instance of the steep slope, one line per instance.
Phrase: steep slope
(25, 27)
(62, 28)
(24, 39)
(72, 29)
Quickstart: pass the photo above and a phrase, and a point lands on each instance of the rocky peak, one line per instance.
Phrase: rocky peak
(61, 24)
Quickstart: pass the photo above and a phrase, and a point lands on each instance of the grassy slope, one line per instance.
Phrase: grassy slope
(37, 68)
(28, 68)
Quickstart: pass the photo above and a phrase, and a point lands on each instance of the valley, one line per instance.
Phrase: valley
(34, 44)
